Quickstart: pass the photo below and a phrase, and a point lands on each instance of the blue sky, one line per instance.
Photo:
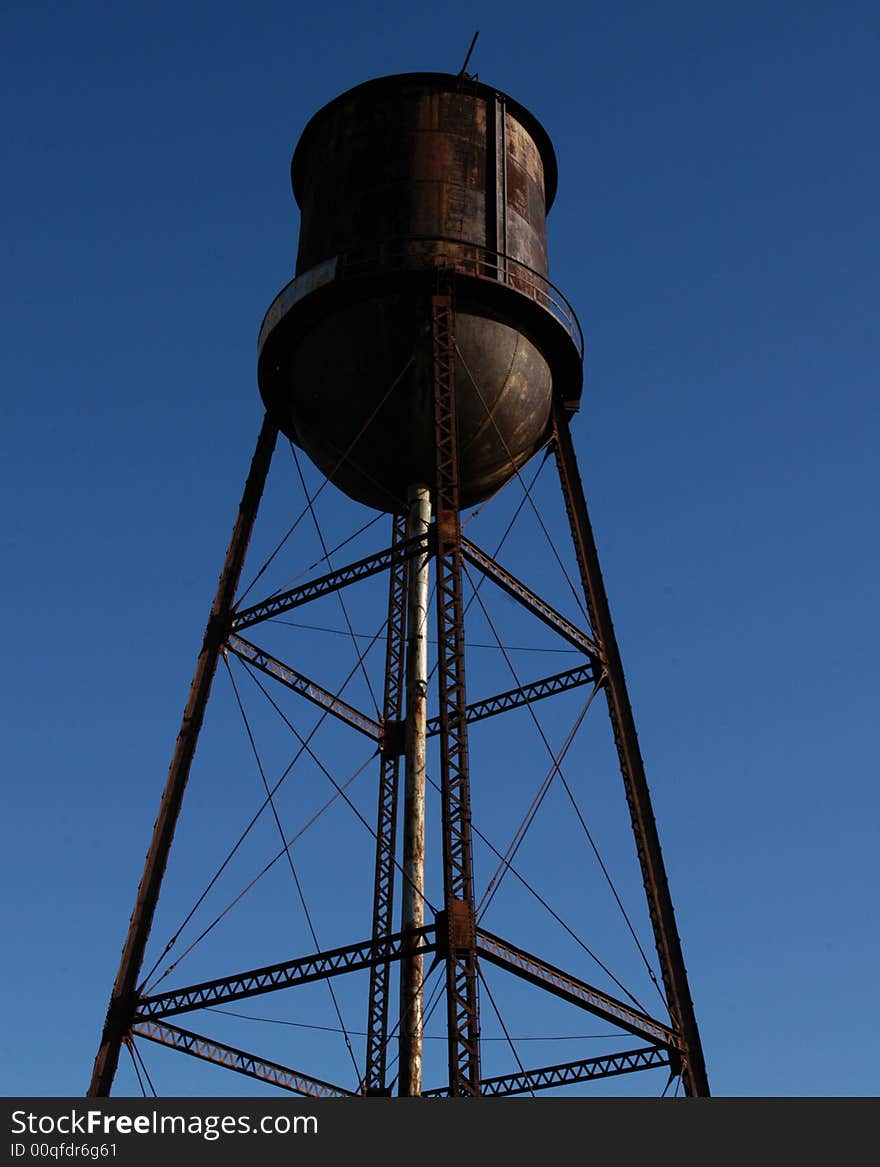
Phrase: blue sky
(716, 231)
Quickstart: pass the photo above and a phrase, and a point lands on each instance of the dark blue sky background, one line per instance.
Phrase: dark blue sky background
(716, 229)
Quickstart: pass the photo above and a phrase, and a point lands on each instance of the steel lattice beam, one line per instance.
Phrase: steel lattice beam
(458, 925)
(325, 584)
(525, 695)
(282, 976)
(523, 964)
(567, 1073)
(386, 823)
(305, 687)
(235, 1059)
(530, 600)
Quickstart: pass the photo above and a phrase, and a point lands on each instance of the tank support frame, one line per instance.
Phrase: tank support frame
(454, 937)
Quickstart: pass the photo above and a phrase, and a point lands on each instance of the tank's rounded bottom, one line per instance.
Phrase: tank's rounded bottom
(356, 393)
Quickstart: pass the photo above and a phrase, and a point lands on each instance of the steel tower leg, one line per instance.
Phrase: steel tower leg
(457, 931)
(123, 999)
(632, 768)
(389, 776)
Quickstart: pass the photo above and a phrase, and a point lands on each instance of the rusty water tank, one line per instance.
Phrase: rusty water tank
(399, 180)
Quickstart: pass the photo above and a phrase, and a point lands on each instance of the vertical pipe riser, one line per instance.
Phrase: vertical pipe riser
(413, 915)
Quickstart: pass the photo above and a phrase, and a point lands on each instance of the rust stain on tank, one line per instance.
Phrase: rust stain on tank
(395, 179)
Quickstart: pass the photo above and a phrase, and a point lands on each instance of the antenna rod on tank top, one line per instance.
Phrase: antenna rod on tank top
(461, 73)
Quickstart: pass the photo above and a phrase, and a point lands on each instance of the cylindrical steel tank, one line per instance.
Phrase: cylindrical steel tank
(398, 181)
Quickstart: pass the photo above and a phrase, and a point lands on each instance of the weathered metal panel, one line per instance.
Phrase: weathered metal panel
(397, 180)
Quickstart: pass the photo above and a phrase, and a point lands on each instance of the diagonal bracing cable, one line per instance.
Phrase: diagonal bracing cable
(555, 768)
(495, 553)
(339, 792)
(578, 600)
(256, 879)
(527, 489)
(555, 915)
(137, 1072)
(329, 776)
(290, 863)
(504, 1029)
(327, 477)
(320, 533)
(435, 963)
(140, 1057)
(176, 935)
(467, 643)
(586, 829)
(426, 1036)
(601, 862)
(291, 580)
(434, 999)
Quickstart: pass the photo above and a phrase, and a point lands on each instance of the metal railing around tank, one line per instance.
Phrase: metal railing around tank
(418, 253)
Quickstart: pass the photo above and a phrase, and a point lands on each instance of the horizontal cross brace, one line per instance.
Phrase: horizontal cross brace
(235, 1059)
(525, 695)
(529, 599)
(331, 582)
(569, 988)
(566, 1073)
(313, 692)
(282, 976)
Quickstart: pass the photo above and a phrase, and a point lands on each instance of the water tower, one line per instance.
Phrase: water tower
(420, 358)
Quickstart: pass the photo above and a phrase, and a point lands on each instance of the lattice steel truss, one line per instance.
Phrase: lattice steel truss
(454, 938)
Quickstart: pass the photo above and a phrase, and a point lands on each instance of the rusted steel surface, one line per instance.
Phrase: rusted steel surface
(123, 999)
(398, 180)
(413, 883)
(270, 978)
(524, 695)
(566, 1073)
(469, 260)
(207, 1050)
(570, 988)
(462, 1007)
(363, 408)
(298, 683)
(325, 584)
(656, 884)
(415, 154)
(421, 342)
(386, 821)
(517, 590)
